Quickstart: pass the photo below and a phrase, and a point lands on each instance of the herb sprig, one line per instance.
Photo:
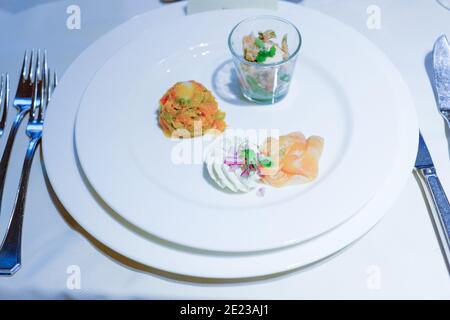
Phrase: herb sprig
(264, 54)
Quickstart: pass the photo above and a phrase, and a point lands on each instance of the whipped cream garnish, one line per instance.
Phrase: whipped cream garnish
(231, 164)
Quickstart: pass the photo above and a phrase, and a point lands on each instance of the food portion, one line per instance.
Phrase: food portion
(262, 78)
(295, 159)
(263, 49)
(188, 109)
(234, 164)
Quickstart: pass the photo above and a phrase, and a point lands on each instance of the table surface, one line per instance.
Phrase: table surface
(399, 258)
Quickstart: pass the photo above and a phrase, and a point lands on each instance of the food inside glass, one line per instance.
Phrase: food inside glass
(265, 50)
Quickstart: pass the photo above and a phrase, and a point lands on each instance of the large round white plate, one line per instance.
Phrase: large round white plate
(343, 97)
(106, 226)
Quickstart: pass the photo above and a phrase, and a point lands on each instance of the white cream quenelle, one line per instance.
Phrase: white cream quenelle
(224, 174)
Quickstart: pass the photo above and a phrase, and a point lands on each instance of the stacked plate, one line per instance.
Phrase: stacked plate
(111, 167)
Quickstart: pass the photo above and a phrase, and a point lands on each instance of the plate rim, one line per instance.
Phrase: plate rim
(238, 240)
(196, 271)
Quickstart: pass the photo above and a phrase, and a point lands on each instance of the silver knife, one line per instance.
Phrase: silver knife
(441, 66)
(435, 195)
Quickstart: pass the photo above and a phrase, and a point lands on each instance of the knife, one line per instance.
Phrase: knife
(435, 195)
(441, 66)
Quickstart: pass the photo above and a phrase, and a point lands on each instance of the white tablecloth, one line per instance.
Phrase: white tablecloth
(399, 258)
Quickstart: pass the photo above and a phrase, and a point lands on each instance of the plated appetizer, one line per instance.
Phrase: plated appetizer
(188, 110)
(236, 165)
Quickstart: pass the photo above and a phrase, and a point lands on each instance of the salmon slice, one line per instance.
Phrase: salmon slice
(315, 146)
(297, 159)
(277, 180)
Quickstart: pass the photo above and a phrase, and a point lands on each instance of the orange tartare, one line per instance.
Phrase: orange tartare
(188, 109)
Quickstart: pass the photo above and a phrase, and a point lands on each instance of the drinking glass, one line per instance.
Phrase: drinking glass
(264, 83)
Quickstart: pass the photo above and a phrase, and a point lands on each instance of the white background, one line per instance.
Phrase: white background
(399, 258)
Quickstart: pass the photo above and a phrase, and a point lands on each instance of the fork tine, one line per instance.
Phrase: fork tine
(7, 86)
(2, 76)
(34, 99)
(31, 67)
(46, 79)
(6, 94)
(55, 80)
(23, 72)
(4, 100)
(39, 64)
(3, 104)
(50, 85)
(43, 86)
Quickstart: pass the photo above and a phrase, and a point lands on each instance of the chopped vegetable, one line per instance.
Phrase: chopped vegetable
(263, 49)
(189, 106)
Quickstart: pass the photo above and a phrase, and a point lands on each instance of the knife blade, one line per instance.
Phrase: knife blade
(423, 159)
(435, 196)
(441, 66)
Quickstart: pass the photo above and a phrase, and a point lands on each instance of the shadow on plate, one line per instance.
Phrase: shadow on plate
(226, 85)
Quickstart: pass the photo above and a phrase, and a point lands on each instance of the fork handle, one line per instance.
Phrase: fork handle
(10, 251)
(440, 207)
(8, 148)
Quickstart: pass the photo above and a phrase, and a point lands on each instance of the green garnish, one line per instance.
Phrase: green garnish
(272, 51)
(264, 54)
(249, 156)
(259, 43)
(265, 161)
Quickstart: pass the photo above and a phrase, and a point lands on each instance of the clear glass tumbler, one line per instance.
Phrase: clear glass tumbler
(259, 82)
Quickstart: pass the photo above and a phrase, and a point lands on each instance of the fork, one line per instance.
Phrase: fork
(4, 100)
(10, 250)
(22, 102)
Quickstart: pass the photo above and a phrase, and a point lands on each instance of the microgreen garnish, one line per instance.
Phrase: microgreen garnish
(249, 156)
(249, 161)
(264, 54)
(266, 162)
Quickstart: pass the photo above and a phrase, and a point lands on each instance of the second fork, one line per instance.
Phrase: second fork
(22, 102)
(10, 251)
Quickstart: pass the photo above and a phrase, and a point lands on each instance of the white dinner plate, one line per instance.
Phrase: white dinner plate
(107, 227)
(346, 98)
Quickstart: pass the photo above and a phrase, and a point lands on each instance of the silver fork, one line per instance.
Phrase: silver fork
(4, 100)
(22, 102)
(10, 250)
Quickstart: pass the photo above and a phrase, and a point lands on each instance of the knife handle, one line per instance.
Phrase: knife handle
(439, 205)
